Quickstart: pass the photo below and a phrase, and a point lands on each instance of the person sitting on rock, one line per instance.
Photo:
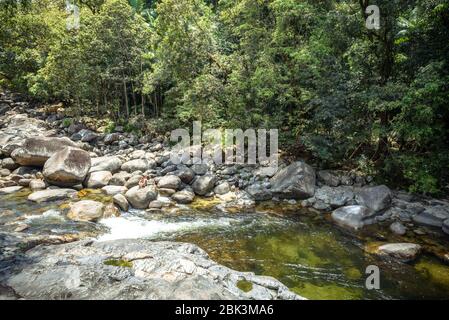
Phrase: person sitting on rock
(143, 182)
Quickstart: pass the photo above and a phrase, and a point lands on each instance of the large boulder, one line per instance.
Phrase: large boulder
(204, 184)
(169, 182)
(111, 164)
(354, 217)
(86, 210)
(135, 270)
(52, 195)
(67, 168)
(297, 181)
(140, 198)
(432, 216)
(98, 179)
(138, 165)
(36, 151)
(375, 198)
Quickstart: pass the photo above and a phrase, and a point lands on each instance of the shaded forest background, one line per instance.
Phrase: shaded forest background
(347, 97)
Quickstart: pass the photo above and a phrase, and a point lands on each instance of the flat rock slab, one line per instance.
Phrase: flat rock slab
(402, 251)
(9, 190)
(134, 269)
(52, 195)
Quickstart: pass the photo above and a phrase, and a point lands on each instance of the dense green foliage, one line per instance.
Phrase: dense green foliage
(375, 100)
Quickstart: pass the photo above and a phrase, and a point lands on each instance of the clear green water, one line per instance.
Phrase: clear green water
(303, 250)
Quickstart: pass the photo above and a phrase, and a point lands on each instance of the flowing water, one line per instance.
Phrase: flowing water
(303, 250)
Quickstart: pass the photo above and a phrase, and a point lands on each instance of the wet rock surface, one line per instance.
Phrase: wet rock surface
(134, 269)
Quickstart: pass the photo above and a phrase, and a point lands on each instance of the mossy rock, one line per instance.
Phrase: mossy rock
(245, 285)
(119, 263)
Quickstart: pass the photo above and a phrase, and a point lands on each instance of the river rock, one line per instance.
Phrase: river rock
(375, 198)
(111, 164)
(432, 216)
(113, 190)
(151, 271)
(4, 172)
(184, 197)
(200, 169)
(9, 164)
(86, 210)
(67, 168)
(222, 188)
(52, 195)
(328, 178)
(140, 198)
(398, 228)
(120, 178)
(169, 182)
(401, 251)
(98, 179)
(36, 151)
(9, 190)
(37, 184)
(133, 181)
(297, 181)
(185, 174)
(259, 193)
(204, 184)
(111, 138)
(334, 197)
(354, 217)
(138, 165)
(120, 200)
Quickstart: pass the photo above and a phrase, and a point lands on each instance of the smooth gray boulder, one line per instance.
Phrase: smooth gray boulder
(120, 200)
(259, 193)
(113, 190)
(140, 198)
(169, 182)
(36, 151)
(376, 198)
(138, 165)
(67, 168)
(98, 179)
(222, 188)
(204, 184)
(111, 164)
(86, 210)
(52, 195)
(135, 270)
(354, 217)
(432, 216)
(184, 197)
(9, 190)
(335, 197)
(185, 174)
(297, 181)
(398, 228)
(401, 251)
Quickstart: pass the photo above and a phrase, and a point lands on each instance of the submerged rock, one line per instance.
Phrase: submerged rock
(67, 168)
(398, 228)
(297, 181)
(135, 269)
(355, 217)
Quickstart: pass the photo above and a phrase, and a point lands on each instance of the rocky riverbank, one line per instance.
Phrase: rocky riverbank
(55, 159)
